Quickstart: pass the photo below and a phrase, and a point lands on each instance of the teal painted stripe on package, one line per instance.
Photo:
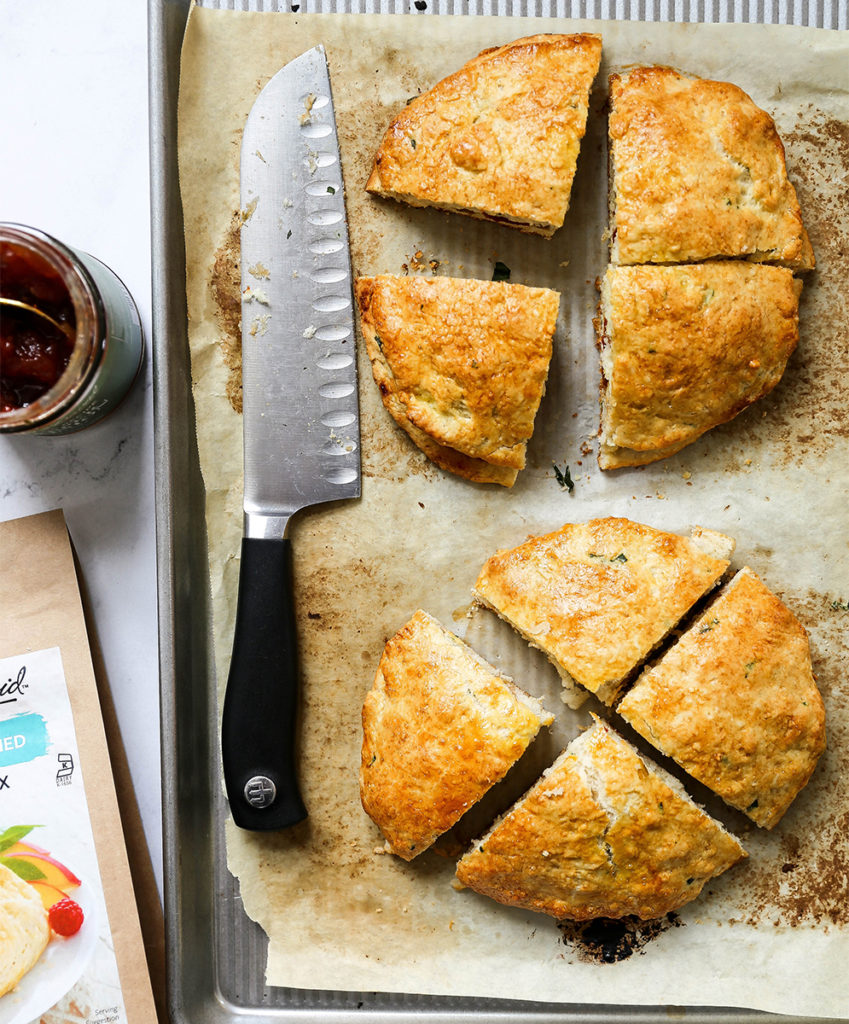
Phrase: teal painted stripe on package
(22, 738)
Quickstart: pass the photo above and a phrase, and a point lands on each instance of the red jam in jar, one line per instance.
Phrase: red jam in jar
(33, 351)
(70, 336)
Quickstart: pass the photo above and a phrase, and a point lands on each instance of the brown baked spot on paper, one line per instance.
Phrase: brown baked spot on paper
(225, 285)
(807, 412)
(817, 148)
(807, 884)
(350, 606)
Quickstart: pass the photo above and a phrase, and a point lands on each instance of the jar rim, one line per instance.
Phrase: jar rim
(90, 328)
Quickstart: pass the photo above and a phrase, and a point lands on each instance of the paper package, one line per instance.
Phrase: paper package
(60, 827)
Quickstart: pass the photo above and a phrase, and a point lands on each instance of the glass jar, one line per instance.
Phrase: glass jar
(67, 368)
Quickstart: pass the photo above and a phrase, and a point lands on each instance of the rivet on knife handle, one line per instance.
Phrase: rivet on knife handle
(260, 707)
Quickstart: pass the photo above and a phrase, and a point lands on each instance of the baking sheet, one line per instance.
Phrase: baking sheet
(772, 933)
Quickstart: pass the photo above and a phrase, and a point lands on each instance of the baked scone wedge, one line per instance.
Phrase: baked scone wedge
(499, 138)
(697, 172)
(603, 833)
(440, 728)
(597, 597)
(24, 930)
(461, 365)
(685, 348)
(734, 701)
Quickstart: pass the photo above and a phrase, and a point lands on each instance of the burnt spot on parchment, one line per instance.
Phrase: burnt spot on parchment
(607, 941)
(225, 285)
(363, 116)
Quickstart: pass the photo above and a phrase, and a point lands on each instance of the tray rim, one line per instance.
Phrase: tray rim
(191, 791)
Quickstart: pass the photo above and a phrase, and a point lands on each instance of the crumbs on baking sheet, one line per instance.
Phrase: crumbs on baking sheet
(418, 263)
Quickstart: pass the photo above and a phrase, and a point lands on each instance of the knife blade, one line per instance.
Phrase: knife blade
(300, 415)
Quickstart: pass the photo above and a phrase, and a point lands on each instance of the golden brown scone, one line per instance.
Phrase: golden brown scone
(734, 702)
(24, 931)
(461, 365)
(603, 833)
(597, 597)
(499, 138)
(440, 727)
(686, 348)
(697, 172)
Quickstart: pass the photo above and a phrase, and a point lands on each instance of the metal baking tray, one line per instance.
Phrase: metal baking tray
(215, 953)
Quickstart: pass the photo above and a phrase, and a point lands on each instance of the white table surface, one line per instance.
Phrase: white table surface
(73, 82)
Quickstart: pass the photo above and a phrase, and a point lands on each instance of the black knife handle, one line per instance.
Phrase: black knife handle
(260, 702)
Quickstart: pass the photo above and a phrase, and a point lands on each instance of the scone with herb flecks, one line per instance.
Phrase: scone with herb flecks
(461, 366)
(598, 597)
(685, 348)
(603, 833)
(499, 138)
(697, 172)
(735, 703)
(440, 727)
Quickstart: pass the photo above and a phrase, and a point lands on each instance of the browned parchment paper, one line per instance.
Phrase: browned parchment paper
(41, 609)
(770, 934)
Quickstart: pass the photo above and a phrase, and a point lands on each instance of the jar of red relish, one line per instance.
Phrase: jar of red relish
(70, 335)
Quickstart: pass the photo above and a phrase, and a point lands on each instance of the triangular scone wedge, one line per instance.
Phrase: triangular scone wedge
(461, 365)
(686, 348)
(499, 138)
(603, 833)
(24, 928)
(697, 172)
(734, 701)
(598, 597)
(440, 728)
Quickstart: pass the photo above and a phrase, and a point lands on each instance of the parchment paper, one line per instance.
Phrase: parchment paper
(771, 933)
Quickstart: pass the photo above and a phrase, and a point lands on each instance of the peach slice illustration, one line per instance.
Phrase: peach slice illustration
(55, 873)
(49, 894)
(54, 879)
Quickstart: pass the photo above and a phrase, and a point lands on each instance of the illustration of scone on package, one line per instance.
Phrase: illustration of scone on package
(55, 943)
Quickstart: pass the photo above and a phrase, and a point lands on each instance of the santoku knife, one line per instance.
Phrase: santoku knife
(300, 413)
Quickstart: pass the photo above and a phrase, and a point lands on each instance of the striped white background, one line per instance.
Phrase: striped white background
(814, 13)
